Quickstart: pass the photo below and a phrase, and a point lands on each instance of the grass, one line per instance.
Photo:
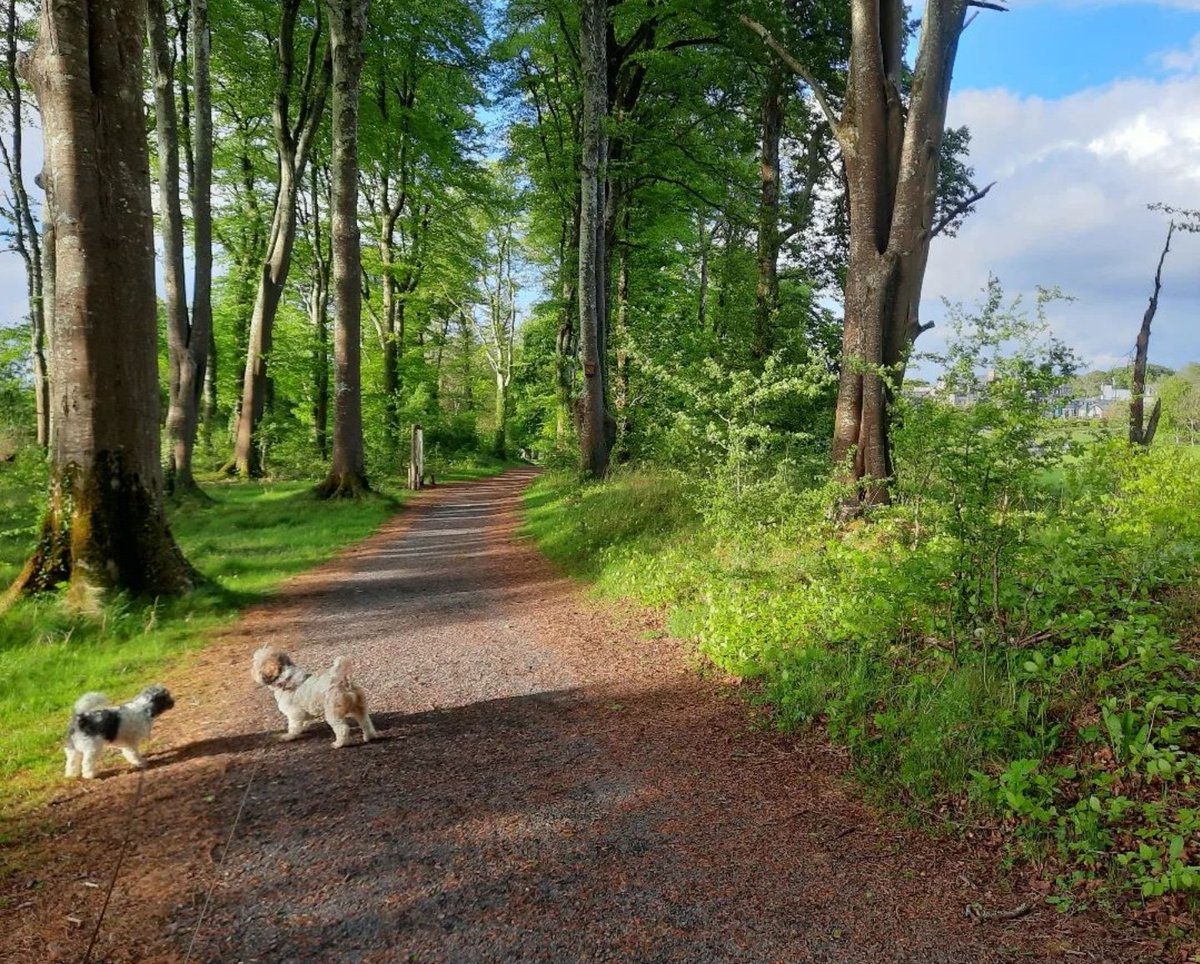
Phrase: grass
(1071, 719)
(248, 541)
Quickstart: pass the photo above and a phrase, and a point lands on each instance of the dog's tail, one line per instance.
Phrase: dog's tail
(341, 671)
(91, 701)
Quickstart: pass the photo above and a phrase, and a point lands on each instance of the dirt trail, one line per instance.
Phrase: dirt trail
(551, 784)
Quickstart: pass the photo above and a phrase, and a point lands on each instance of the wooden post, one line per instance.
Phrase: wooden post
(416, 459)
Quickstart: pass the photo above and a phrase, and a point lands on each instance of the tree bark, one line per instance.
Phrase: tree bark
(347, 25)
(201, 396)
(1142, 432)
(292, 146)
(318, 309)
(766, 295)
(590, 407)
(890, 151)
(105, 528)
(26, 236)
(181, 380)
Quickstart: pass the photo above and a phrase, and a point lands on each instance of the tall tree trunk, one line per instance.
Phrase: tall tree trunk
(347, 25)
(1142, 432)
(621, 388)
(705, 247)
(318, 308)
(567, 341)
(891, 152)
(293, 147)
(26, 237)
(766, 295)
(202, 360)
(105, 528)
(181, 374)
(590, 407)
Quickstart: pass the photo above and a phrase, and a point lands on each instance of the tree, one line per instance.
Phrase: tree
(293, 137)
(890, 132)
(499, 325)
(25, 237)
(105, 528)
(591, 412)
(181, 385)
(1141, 430)
(347, 475)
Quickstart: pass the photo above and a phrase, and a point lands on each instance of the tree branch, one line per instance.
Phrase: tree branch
(799, 70)
(960, 208)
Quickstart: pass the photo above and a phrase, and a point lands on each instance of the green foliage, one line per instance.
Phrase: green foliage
(996, 641)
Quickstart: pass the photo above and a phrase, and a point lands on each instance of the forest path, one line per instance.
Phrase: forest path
(552, 782)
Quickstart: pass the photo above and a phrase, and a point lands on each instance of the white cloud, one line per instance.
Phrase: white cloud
(1069, 209)
(1184, 60)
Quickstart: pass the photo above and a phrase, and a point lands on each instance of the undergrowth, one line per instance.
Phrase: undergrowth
(1013, 641)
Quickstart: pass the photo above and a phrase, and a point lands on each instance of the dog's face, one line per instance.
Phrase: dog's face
(158, 697)
(269, 665)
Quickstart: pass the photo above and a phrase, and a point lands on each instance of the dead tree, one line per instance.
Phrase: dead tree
(1141, 430)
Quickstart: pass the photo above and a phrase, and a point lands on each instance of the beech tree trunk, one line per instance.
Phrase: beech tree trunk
(181, 379)
(318, 312)
(105, 528)
(347, 476)
(590, 407)
(891, 152)
(1142, 432)
(26, 237)
(766, 295)
(201, 399)
(293, 145)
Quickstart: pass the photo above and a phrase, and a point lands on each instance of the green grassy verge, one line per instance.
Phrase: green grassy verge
(1063, 707)
(249, 540)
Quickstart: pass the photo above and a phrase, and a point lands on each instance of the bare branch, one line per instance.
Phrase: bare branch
(960, 208)
(799, 70)
(987, 5)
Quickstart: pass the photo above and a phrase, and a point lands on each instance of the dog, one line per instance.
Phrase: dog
(96, 723)
(302, 697)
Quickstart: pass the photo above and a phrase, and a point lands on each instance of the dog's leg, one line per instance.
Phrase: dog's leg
(131, 754)
(341, 729)
(74, 760)
(295, 728)
(89, 762)
(367, 727)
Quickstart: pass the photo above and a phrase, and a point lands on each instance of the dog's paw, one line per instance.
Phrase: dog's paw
(289, 737)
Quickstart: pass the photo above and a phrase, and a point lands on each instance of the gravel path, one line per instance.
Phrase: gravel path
(553, 782)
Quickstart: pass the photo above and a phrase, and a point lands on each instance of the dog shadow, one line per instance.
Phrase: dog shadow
(389, 727)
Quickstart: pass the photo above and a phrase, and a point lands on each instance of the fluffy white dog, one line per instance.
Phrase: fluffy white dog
(96, 723)
(302, 697)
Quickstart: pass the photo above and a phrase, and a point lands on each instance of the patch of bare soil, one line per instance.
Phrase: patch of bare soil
(550, 784)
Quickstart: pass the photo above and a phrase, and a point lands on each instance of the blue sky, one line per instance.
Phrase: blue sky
(1050, 49)
(1083, 112)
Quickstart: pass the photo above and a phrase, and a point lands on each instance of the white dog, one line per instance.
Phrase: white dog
(301, 697)
(96, 723)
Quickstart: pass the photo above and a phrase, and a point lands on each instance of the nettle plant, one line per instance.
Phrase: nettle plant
(975, 457)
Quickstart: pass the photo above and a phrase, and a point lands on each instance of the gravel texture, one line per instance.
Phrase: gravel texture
(554, 781)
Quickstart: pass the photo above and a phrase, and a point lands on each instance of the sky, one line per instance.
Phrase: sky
(1083, 112)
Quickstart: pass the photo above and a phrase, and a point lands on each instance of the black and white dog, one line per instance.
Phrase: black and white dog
(96, 723)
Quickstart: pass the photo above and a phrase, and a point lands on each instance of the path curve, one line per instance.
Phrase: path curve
(555, 782)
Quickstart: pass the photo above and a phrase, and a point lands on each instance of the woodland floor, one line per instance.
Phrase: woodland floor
(554, 780)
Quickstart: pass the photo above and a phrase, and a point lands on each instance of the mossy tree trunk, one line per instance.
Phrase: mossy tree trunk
(105, 528)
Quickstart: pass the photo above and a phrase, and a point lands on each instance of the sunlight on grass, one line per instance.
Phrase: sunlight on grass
(245, 544)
